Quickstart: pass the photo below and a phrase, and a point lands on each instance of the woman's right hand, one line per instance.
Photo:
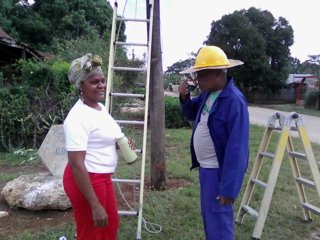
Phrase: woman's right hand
(100, 217)
(183, 89)
(81, 177)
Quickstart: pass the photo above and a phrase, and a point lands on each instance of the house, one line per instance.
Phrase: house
(11, 50)
(303, 83)
(309, 79)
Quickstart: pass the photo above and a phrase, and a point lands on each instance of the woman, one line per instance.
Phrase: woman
(92, 156)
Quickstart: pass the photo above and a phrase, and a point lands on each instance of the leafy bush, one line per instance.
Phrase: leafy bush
(15, 118)
(39, 96)
(174, 118)
(312, 99)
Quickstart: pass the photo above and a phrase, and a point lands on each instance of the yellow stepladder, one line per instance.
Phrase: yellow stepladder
(278, 122)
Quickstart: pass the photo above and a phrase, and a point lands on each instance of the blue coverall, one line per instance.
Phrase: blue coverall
(228, 125)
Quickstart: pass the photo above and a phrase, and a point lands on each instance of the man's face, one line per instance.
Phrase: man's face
(209, 80)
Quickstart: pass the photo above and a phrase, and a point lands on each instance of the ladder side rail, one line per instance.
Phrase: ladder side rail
(272, 179)
(254, 174)
(111, 57)
(309, 154)
(145, 126)
(274, 118)
(108, 97)
(296, 174)
(284, 144)
(271, 125)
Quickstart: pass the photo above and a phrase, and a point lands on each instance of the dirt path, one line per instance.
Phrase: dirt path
(260, 116)
(20, 220)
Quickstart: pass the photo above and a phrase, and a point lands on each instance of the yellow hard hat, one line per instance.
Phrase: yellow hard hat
(211, 57)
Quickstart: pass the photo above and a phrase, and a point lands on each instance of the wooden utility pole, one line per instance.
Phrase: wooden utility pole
(157, 112)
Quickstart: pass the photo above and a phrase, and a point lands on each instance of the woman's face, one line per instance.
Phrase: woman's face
(93, 89)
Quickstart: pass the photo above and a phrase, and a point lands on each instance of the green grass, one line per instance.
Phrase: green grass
(293, 108)
(66, 230)
(6, 177)
(16, 158)
(19, 157)
(177, 209)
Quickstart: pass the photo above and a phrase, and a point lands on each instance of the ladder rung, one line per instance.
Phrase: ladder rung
(132, 19)
(129, 69)
(280, 128)
(130, 122)
(259, 182)
(117, 180)
(138, 150)
(268, 155)
(131, 44)
(312, 208)
(298, 155)
(276, 128)
(131, 213)
(251, 211)
(127, 95)
(305, 182)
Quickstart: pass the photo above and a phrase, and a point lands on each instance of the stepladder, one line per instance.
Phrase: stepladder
(288, 129)
(137, 71)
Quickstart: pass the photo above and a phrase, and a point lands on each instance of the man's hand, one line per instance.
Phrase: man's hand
(224, 201)
(183, 89)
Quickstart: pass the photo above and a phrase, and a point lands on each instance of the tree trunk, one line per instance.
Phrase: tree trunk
(157, 113)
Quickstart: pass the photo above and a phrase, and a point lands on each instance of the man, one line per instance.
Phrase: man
(220, 138)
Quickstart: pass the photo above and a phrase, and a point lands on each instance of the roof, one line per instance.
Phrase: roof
(4, 35)
(11, 50)
(310, 79)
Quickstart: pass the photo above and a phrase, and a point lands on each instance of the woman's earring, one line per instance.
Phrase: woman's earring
(81, 95)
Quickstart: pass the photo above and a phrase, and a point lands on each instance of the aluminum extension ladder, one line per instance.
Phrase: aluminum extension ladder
(109, 95)
(284, 144)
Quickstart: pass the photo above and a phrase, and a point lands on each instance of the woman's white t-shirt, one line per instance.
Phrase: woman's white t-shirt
(93, 131)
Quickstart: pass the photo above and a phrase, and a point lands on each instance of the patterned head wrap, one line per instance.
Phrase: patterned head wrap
(82, 68)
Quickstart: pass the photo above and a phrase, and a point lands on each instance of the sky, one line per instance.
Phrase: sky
(185, 24)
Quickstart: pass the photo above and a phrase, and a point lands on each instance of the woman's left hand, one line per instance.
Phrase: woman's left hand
(132, 143)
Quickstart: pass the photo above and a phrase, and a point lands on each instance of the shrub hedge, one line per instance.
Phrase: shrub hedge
(174, 118)
(312, 99)
(38, 96)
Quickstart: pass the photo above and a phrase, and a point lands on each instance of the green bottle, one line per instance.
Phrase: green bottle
(127, 153)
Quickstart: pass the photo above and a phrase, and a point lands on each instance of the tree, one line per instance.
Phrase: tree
(294, 65)
(7, 11)
(49, 21)
(5, 7)
(262, 42)
(68, 29)
(157, 113)
(172, 72)
(311, 66)
(179, 66)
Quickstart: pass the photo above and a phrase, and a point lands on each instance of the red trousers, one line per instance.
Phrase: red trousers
(103, 187)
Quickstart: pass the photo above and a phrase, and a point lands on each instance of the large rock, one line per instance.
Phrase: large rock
(53, 151)
(4, 214)
(36, 192)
